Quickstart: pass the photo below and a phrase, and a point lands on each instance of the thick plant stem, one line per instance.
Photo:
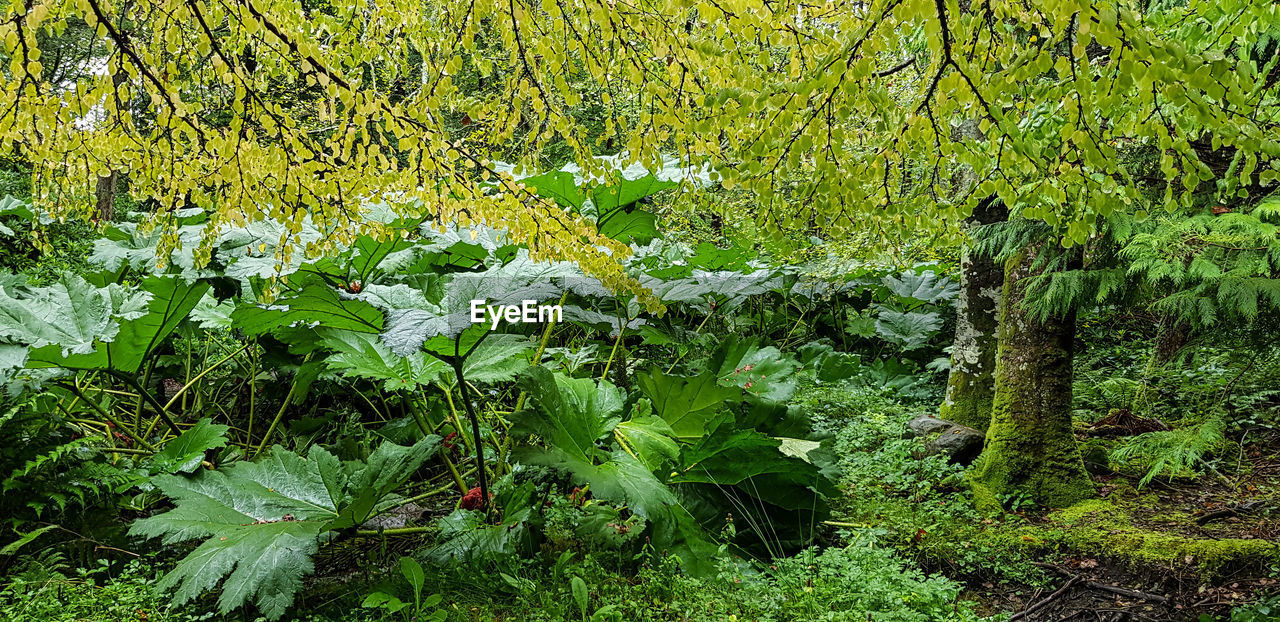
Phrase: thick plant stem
(504, 448)
(115, 422)
(1030, 448)
(537, 356)
(475, 433)
(142, 392)
(426, 430)
(183, 390)
(398, 531)
(971, 383)
(279, 414)
(453, 414)
(253, 391)
(427, 495)
(146, 382)
(453, 471)
(613, 352)
(695, 332)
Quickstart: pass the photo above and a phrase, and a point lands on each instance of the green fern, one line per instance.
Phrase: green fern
(1107, 394)
(1201, 269)
(44, 466)
(1207, 268)
(1067, 278)
(1173, 453)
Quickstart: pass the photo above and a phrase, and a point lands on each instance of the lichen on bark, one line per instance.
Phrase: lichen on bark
(971, 385)
(1030, 448)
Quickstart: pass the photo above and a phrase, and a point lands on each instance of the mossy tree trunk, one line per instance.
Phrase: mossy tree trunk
(1030, 448)
(971, 384)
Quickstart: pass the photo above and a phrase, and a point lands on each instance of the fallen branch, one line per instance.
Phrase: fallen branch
(1048, 599)
(1243, 508)
(1126, 592)
(1103, 586)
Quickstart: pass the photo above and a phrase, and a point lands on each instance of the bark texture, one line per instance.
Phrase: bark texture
(1030, 447)
(105, 196)
(1171, 338)
(971, 383)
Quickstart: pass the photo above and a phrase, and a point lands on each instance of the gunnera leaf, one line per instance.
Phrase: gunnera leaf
(262, 521)
(185, 453)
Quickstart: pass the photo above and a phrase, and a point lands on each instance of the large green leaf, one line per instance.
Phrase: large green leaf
(570, 414)
(629, 226)
(168, 302)
(499, 358)
(612, 196)
(649, 438)
(595, 320)
(185, 453)
(314, 304)
(369, 484)
(558, 186)
(908, 330)
(71, 316)
(418, 318)
(373, 256)
(254, 249)
(363, 355)
(762, 373)
(464, 248)
(262, 521)
(753, 462)
(127, 245)
(727, 289)
(465, 536)
(686, 403)
(926, 286)
(624, 480)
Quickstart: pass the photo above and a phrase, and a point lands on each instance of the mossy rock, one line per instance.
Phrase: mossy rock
(1096, 454)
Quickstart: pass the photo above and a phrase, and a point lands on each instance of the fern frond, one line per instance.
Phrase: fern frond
(1173, 453)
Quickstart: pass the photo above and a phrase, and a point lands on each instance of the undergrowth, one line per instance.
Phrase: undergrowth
(916, 503)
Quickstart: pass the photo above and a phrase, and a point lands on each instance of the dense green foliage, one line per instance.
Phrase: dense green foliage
(477, 311)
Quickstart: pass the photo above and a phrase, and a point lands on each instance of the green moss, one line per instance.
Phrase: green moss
(967, 404)
(1030, 448)
(1102, 528)
(1096, 454)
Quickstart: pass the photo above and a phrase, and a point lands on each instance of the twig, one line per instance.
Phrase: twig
(1103, 586)
(1048, 599)
(1126, 592)
(1242, 508)
(896, 68)
(395, 531)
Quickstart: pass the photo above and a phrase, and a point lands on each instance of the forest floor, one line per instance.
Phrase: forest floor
(1173, 551)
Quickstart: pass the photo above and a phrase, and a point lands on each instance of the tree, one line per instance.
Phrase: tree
(971, 383)
(1030, 447)
(840, 116)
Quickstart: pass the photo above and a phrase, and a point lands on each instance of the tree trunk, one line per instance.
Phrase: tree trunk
(1171, 338)
(970, 385)
(1030, 448)
(106, 197)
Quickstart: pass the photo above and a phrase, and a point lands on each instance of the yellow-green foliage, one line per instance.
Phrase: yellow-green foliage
(839, 119)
